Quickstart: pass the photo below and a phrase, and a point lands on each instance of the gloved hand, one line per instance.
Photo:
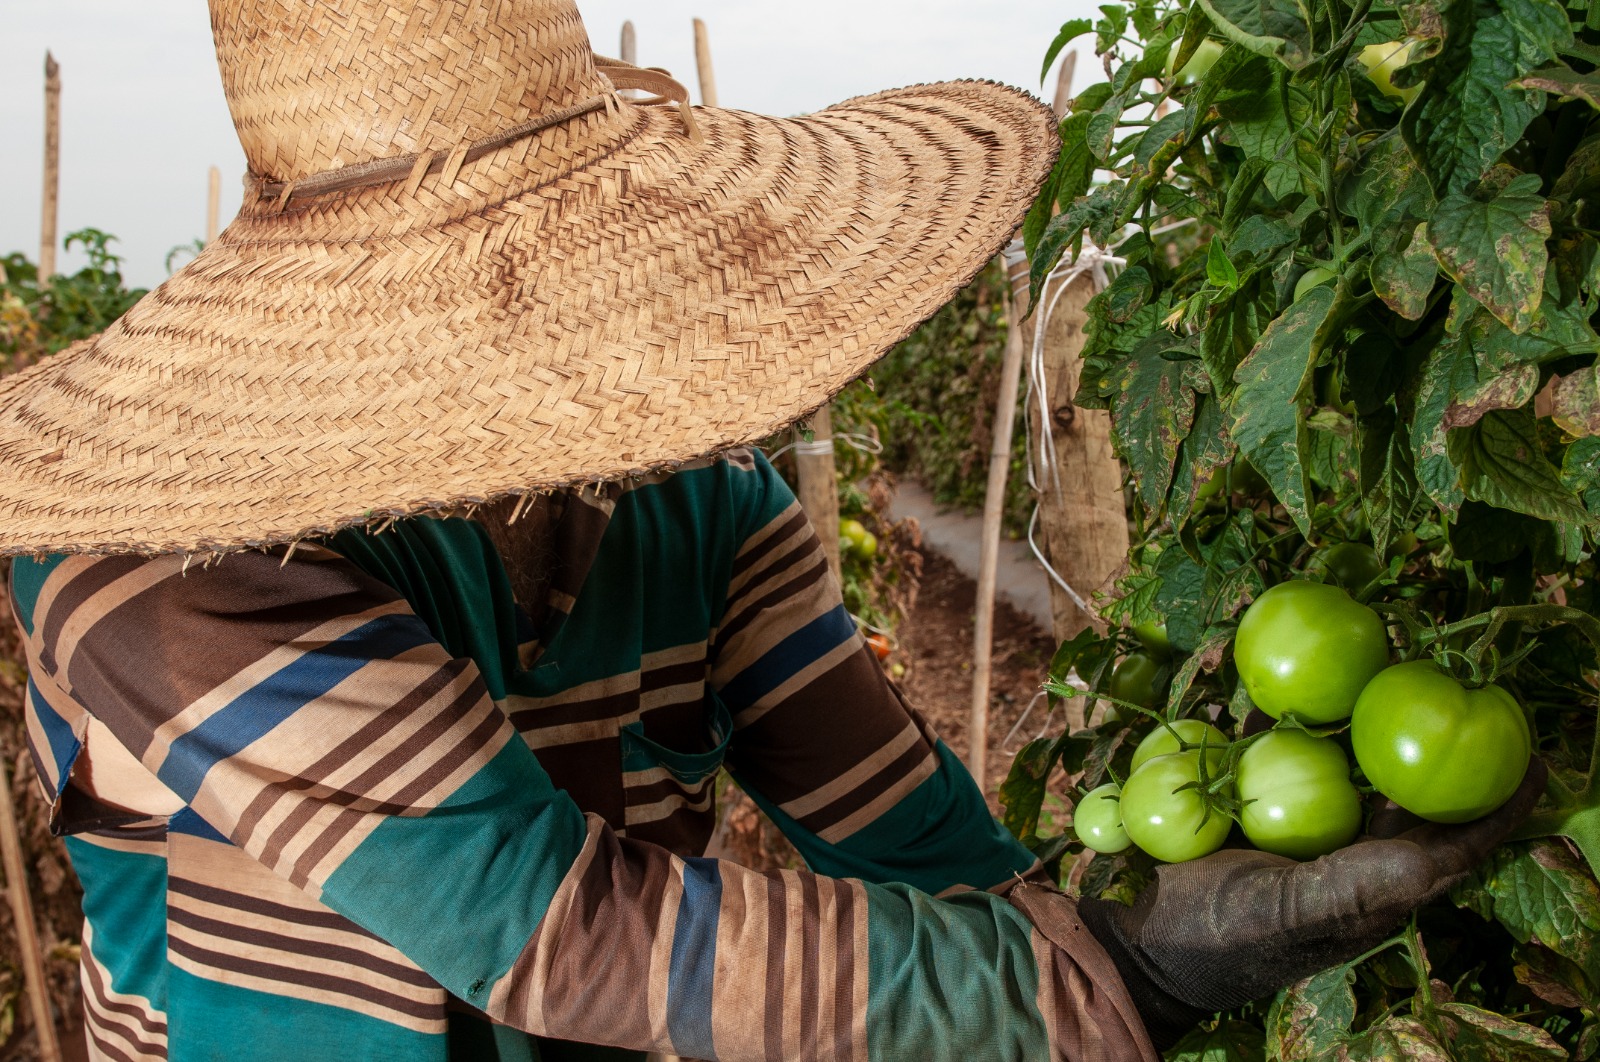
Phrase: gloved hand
(1217, 932)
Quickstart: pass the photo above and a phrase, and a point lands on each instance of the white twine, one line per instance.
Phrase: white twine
(824, 447)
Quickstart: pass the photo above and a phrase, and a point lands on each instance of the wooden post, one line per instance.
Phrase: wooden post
(702, 62)
(819, 484)
(993, 509)
(213, 204)
(1063, 98)
(52, 170)
(1085, 521)
(27, 930)
(630, 44)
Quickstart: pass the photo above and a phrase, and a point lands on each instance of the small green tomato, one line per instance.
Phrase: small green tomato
(1160, 742)
(1098, 820)
(1381, 61)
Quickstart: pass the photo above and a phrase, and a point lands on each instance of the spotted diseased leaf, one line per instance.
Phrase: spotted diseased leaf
(1127, 294)
(1207, 449)
(1483, 1036)
(1577, 402)
(1152, 415)
(1389, 491)
(1403, 277)
(1228, 1041)
(1561, 80)
(1207, 657)
(1268, 405)
(1539, 891)
(1495, 248)
(1580, 471)
(1502, 464)
(1311, 1016)
(1553, 978)
(1390, 1040)
(1448, 370)
(1065, 231)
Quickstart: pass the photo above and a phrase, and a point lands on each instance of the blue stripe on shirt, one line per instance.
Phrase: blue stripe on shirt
(253, 714)
(694, 960)
(64, 744)
(786, 659)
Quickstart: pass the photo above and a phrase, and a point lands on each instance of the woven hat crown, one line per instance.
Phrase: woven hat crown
(319, 86)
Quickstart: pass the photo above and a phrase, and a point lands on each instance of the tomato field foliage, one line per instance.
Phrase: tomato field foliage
(1361, 248)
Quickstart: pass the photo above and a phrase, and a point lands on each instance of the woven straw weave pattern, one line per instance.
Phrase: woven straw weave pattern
(605, 298)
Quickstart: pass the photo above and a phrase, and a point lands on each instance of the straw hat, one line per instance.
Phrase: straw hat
(466, 268)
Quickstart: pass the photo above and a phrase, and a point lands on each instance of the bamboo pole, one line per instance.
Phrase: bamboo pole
(213, 204)
(52, 170)
(702, 62)
(993, 509)
(27, 929)
(819, 485)
(1063, 99)
(630, 44)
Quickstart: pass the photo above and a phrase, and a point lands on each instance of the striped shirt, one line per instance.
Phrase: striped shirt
(349, 801)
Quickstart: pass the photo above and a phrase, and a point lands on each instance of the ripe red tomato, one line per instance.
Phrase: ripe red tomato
(1097, 820)
(1297, 795)
(1306, 649)
(880, 645)
(1437, 749)
(1165, 820)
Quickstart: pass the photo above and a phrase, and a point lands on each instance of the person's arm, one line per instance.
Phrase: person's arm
(823, 742)
(307, 714)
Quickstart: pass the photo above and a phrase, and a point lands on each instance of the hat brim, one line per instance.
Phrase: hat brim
(590, 304)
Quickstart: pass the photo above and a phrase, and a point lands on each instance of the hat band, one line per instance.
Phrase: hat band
(414, 167)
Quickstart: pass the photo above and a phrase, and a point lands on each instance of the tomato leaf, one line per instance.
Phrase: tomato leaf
(1495, 248)
(1390, 1040)
(1069, 32)
(1467, 116)
(1539, 891)
(1482, 1036)
(1275, 29)
(1311, 1016)
(1022, 793)
(1229, 1041)
(1403, 276)
(1562, 80)
(1274, 380)
(1153, 414)
(1577, 402)
(1503, 464)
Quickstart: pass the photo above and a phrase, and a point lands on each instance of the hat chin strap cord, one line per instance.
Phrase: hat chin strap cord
(413, 168)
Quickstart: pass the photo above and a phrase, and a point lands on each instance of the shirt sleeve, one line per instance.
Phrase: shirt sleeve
(304, 712)
(823, 742)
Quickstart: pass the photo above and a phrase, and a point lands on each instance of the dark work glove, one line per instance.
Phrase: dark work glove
(1215, 933)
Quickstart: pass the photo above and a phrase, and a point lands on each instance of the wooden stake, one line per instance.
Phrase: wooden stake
(630, 45)
(819, 484)
(993, 508)
(27, 929)
(52, 170)
(702, 62)
(213, 204)
(1063, 99)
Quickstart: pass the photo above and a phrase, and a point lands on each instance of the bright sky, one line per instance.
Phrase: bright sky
(143, 116)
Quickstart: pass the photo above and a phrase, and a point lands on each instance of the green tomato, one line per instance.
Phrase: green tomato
(1297, 795)
(851, 531)
(1404, 546)
(1165, 820)
(1098, 820)
(1381, 61)
(1138, 679)
(1439, 750)
(1306, 650)
(1160, 742)
(1209, 489)
(1204, 57)
(867, 547)
(1314, 277)
(1352, 564)
(1154, 638)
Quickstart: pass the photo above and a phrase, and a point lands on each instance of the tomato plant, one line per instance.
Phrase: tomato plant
(1361, 252)
(1439, 750)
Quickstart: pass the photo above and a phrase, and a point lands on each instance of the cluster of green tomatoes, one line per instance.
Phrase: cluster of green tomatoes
(1318, 662)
